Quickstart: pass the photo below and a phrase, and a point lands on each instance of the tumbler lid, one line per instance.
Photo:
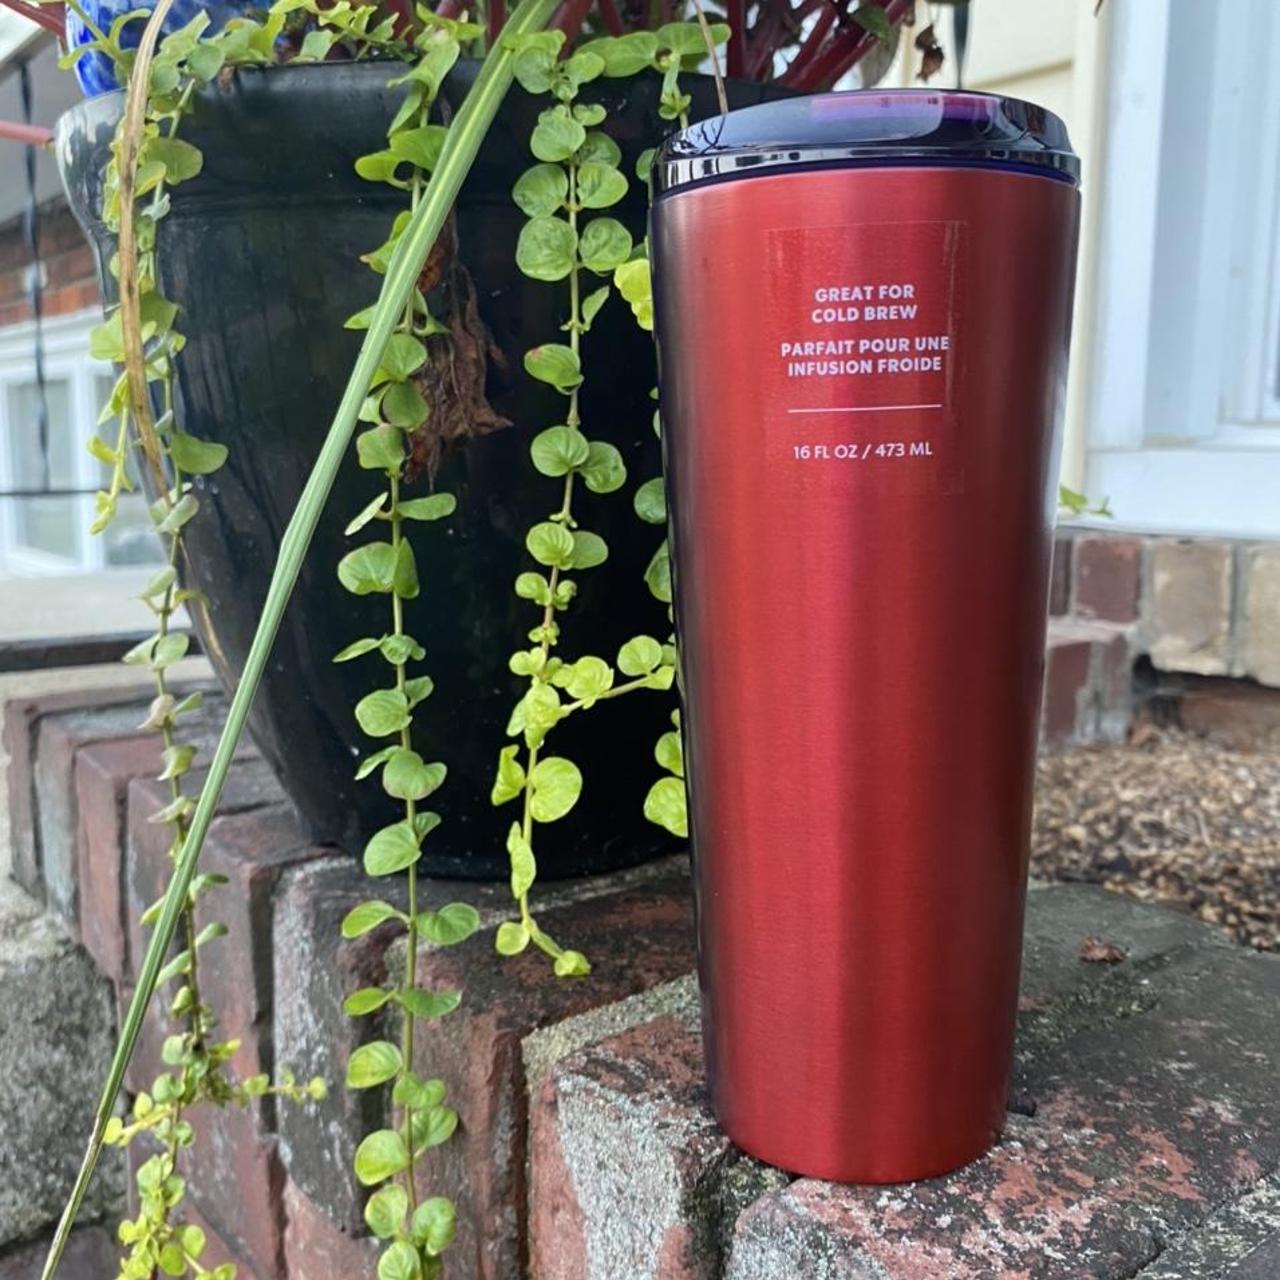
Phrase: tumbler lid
(871, 127)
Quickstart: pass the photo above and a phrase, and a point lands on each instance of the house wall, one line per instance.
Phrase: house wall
(70, 282)
(1051, 52)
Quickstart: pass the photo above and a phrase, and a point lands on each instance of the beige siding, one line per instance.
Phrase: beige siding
(1050, 52)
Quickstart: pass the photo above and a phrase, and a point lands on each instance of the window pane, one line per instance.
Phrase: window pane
(50, 525)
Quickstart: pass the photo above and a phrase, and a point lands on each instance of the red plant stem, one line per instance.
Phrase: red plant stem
(569, 18)
(50, 18)
(845, 51)
(449, 8)
(812, 42)
(611, 18)
(497, 20)
(736, 53)
(33, 135)
(776, 26)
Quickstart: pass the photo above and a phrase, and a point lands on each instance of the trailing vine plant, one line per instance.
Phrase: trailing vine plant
(147, 159)
(668, 51)
(576, 175)
(415, 1229)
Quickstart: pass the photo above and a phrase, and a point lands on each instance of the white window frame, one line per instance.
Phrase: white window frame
(65, 341)
(1184, 413)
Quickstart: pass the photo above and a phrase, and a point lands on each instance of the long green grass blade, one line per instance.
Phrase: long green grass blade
(463, 142)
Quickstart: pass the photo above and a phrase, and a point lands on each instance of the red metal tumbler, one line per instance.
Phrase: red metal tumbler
(863, 308)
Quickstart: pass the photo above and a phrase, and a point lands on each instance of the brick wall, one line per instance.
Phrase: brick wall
(71, 284)
(1143, 1138)
(1201, 606)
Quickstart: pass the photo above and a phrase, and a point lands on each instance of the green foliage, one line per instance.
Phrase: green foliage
(577, 174)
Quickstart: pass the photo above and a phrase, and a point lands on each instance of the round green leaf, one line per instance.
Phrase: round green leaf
(398, 649)
(625, 55)
(651, 501)
(587, 679)
(558, 450)
(400, 1261)
(572, 964)
(391, 849)
(550, 544)
(373, 1064)
(658, 574)
(557, 135)
(380, 1156)
(510, 780)
(639, 656)
(434, 1225)
(554, 363)
(408, 777)
(421, 1095)
(385, 1210)
(511, 939)
(196, 457)
(546, 248)
(365, 1001)
(434, 507)
(404, 354)
(589, 550)
(604, 245)
(429, 1004)
(368, 915)
(524, 867)
(665, 805)
(381, 449)
(600, 185)
(453, 923)
(403, 406)
(599, 148)
(382, 712)
(669, 753)
(557, 784)
(432, 1127)
(686, 39)
(541, 190)
(404, 581)
(604, 471)
(369, 568)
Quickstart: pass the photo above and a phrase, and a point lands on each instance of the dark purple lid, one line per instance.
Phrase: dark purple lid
(871, 127)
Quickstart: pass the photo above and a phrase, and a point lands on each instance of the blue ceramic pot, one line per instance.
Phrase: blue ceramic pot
(95, 71)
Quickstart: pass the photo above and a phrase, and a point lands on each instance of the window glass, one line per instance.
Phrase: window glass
(50, 525)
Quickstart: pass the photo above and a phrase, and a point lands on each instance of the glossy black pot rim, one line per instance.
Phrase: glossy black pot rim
(870, 128)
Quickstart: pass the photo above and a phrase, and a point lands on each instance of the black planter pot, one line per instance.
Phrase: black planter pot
(261, 253)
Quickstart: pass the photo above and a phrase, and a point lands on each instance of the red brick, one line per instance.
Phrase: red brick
(21, 721)
(315, 1248)
(1068, 663)
(636, 939)
(74, 266)
(59, 738)
(198, 1165)
(72, 298)
(250, 848)
(103, 772)
(628, 1122)
(1108, 578)
(1060, 580)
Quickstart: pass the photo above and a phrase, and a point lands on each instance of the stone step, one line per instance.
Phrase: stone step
(1145, 1108)
(1143, 1111)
